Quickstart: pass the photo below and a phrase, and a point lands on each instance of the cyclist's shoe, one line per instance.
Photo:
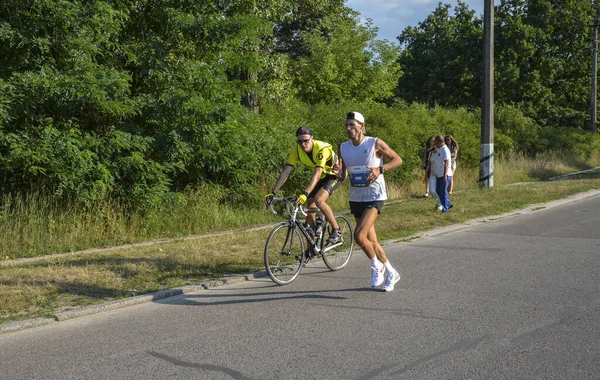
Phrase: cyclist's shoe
(390, 280)
(377, 276)
(335, 237)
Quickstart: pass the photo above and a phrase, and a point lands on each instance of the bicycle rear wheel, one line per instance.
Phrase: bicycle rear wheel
(337, 257)
(284, 254)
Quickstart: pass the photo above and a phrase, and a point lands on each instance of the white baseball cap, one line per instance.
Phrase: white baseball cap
(356, 116)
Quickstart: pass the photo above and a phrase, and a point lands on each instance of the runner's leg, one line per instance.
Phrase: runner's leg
(364, 224)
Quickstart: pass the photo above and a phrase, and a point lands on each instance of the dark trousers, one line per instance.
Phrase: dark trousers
(441, 188)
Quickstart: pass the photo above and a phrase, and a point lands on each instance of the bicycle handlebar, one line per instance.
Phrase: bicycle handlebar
(288, 200)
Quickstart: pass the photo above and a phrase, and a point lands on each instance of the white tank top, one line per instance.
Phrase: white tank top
(356, 159)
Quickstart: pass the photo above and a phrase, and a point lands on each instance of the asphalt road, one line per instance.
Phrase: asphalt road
(516, 298)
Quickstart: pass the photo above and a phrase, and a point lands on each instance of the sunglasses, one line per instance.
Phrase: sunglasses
(305, 141)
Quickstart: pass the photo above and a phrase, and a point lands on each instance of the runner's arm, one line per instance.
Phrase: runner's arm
(383, 149)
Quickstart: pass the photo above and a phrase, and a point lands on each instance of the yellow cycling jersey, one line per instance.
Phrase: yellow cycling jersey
(322, 155)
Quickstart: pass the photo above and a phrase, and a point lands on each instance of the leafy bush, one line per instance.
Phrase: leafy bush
(514, 132)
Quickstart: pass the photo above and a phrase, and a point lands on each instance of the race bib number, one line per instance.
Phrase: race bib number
(358, 176)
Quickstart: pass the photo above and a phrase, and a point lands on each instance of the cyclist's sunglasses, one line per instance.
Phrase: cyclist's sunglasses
(304, 141)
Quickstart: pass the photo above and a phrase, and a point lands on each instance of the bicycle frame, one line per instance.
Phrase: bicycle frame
(291, 244)
(294, 221)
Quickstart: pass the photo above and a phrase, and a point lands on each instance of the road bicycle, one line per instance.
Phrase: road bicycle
(292, 244)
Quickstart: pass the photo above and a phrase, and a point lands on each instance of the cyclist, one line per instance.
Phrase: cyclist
(363, 159)
(320, 156)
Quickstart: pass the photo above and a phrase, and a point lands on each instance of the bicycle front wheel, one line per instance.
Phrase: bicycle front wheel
(284, 254)
(337, 256)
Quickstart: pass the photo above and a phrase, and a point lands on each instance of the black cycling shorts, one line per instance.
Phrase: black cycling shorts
(357, 208)
(329, 183)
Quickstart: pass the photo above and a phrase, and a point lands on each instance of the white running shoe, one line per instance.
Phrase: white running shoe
(440, 208)
(377, 277)
(390, 280)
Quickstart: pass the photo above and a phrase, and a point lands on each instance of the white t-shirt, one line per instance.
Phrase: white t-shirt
(438, 161)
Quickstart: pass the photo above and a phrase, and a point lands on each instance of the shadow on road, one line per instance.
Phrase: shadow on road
(241, 297)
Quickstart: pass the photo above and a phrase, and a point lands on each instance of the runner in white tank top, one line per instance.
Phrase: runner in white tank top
(357, 158)
(362, 157)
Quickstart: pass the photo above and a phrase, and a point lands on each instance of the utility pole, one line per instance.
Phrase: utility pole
(486, 160)
(593, 97)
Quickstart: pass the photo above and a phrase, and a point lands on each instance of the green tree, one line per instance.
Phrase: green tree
(543, 56)
(344, 61)
(141, 98)
(441, 58)
(63, 94)
(542, 59)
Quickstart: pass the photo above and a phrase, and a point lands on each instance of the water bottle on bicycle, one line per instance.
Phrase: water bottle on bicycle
(319, 228)
(315, 246)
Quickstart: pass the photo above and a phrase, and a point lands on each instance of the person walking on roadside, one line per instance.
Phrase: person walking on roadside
(320, 156)
(442, 169)
(431, 178)
(429, 147)
(363, 160)
(453, 147)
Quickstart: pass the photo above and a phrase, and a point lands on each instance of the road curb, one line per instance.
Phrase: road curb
(136, 300)
(126, 302)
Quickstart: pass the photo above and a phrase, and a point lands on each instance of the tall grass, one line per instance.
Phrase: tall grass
(36, 224)
(520, 168)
